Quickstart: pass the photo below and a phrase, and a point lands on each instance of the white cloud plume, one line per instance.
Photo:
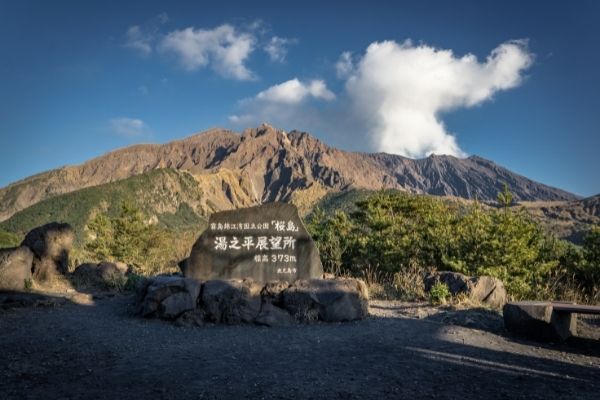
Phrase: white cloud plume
(276, 48)
(223, 48)
(129, 127)
(394, 96)
(401, 89)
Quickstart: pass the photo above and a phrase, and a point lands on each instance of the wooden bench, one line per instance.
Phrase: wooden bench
(545, 320)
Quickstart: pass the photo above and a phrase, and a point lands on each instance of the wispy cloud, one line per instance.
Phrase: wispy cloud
(295, 91)
(223, 48)
(282, 103)
(394, 95)
(128, 127)
(141, 37)
(344, 66)
(136, 39)
(277, 48)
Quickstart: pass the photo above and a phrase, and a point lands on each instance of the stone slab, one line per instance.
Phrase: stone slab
(263, 243)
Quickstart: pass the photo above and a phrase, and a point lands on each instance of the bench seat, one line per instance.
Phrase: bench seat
(545, 320)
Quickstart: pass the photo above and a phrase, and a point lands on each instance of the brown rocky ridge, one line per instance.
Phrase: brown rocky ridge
(265, 164)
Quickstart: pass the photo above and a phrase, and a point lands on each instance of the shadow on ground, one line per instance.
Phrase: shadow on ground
(98, 351)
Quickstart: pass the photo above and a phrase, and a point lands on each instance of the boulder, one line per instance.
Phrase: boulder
(15, 268)
(537, 320)
(176, 304)
(50, 244)
(231, 301)
(481, 289)
(331, 300)
(273, 316)
(169, 296)
(456, 282)
(105, 274)
(272, 292)
(191, 318)
(487, 290)
(301, 301)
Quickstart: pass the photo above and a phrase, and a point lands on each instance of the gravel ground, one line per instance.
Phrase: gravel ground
(87, 348)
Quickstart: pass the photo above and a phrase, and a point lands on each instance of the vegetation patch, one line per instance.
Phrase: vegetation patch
(390, 232)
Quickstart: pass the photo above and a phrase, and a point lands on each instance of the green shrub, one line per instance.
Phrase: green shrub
(392, 232)
(9, 239)
(439, 293)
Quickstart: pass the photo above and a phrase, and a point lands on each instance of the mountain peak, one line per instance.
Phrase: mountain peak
(266, 164)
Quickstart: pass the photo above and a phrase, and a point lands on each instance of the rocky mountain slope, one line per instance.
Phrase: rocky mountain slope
(567, 219)
(170, 198)
(265, 164)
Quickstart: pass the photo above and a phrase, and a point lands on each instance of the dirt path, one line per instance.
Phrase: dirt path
(97, 351)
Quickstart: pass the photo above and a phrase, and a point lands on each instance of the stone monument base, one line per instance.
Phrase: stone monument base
(189, 301)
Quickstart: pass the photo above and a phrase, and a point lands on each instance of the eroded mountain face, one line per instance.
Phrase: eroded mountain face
(266, 164)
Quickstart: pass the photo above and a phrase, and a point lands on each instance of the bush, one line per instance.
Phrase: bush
(9, 239)
(439, 293)
(392, 232)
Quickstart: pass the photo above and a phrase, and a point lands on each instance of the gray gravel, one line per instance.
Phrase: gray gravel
(98, 351)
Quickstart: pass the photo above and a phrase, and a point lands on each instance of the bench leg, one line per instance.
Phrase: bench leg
(564, 324)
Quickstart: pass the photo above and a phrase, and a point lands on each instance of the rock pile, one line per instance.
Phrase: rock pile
(192, 302)
(481, 289)
(43, 254)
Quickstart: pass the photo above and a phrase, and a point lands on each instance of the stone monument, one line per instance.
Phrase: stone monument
(265, 243)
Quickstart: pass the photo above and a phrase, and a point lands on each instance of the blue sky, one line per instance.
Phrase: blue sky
(514, 82)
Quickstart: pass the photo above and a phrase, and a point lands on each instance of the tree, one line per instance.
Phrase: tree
(128, 238)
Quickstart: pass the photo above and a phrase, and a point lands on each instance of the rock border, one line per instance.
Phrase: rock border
(191, 302)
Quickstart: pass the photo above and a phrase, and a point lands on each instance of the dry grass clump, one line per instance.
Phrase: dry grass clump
(406, 285)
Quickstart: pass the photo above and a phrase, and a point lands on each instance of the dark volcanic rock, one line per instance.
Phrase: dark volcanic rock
(51, 244)
(272, 316)
(231, 302)
(456, 282)
(169, 296)
(482, 289)
(15, 268)
(105, 274)
(272, 292)
(191, 303)
(264, 243)
(330, 300)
